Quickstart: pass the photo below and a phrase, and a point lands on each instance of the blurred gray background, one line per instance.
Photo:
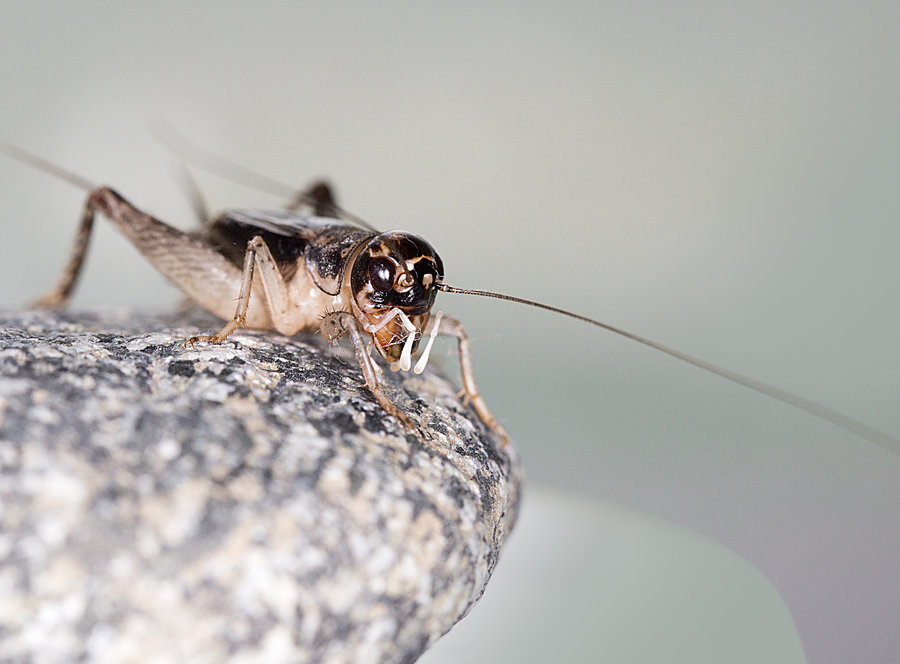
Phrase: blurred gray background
(720, 178)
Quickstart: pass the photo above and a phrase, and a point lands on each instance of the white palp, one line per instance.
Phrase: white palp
(423, 360)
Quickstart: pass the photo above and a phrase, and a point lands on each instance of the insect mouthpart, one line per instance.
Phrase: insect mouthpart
(396, 336)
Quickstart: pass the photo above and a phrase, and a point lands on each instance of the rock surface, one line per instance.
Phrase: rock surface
(248, 502)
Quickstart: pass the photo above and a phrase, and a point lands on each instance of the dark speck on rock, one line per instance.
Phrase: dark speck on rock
(182, 368)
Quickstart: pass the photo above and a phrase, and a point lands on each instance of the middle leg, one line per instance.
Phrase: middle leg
(275, 298)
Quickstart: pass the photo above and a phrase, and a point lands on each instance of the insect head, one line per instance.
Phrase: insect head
(393, 281)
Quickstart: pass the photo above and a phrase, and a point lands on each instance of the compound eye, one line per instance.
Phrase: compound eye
(381, 274)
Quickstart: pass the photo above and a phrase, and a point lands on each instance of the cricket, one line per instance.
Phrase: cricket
(312, 267)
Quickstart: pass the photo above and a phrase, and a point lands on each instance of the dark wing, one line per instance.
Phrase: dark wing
(319, 196)
(280, 222)
(287, 234)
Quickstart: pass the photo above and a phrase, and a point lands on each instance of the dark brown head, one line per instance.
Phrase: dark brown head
(395, 270)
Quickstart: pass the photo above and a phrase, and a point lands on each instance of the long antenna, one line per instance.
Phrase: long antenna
(46, 166)
(814, 408)
(240, 174)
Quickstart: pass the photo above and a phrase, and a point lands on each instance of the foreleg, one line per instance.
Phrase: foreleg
(337, 324)
(452, 327)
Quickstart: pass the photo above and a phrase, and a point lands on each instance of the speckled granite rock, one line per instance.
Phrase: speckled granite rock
(248, 502)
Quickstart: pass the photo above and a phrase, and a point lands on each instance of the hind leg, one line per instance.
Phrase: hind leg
(196, 268)
(61, 294)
